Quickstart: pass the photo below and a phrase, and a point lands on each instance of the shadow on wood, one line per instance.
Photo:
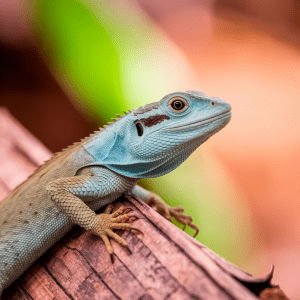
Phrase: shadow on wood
(162, 263)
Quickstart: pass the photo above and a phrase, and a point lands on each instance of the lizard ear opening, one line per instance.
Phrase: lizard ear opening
(139, 128)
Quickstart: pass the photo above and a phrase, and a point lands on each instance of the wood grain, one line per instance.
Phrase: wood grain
(162, 263)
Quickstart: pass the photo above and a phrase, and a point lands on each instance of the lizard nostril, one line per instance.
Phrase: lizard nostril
(213, 103)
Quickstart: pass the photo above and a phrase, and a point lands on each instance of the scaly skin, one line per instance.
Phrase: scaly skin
(148, 142)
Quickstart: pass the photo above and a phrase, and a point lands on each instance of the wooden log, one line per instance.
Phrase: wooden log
(162, 263)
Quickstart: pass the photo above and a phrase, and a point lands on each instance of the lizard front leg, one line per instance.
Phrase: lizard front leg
(163, 209)
(100, 186)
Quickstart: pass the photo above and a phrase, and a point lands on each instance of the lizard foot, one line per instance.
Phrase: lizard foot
(169, 212)
(178, 214)
(107, 222)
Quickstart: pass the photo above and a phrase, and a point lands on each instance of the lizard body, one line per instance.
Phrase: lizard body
(66, 190)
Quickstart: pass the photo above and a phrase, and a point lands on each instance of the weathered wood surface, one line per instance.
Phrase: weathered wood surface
(165, 262)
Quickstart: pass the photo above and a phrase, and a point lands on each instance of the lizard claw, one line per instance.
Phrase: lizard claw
(106, 223)
(134, 228)
(134, 218)
(127, 210)
(196, 228)
(128, 249)
(112, 258)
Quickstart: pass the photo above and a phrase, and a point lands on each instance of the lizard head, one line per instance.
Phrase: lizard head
(179, 123)
(156, 138)
(179, 119)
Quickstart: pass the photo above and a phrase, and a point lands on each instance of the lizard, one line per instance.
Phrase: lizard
(66, 190)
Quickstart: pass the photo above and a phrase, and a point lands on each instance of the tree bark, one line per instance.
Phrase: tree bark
(162, 263)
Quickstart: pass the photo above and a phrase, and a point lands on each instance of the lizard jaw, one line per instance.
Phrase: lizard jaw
(200, 123)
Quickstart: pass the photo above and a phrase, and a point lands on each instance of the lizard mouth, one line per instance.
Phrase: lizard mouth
(200, 123)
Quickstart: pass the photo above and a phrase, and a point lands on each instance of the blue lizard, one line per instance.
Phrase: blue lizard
(66, 190)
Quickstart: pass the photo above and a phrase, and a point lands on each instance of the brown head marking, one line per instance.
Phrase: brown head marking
(153, 120)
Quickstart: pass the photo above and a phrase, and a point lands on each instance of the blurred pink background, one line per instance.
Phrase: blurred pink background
(251, 50)
(246, 52)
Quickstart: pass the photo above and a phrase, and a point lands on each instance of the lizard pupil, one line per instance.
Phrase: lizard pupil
(139, 128)
(178, 104)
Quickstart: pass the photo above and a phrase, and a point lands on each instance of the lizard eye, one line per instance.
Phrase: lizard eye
(139, 128)
(178, 105)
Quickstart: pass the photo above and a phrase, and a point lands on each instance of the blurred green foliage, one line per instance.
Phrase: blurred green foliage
(81, 54)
